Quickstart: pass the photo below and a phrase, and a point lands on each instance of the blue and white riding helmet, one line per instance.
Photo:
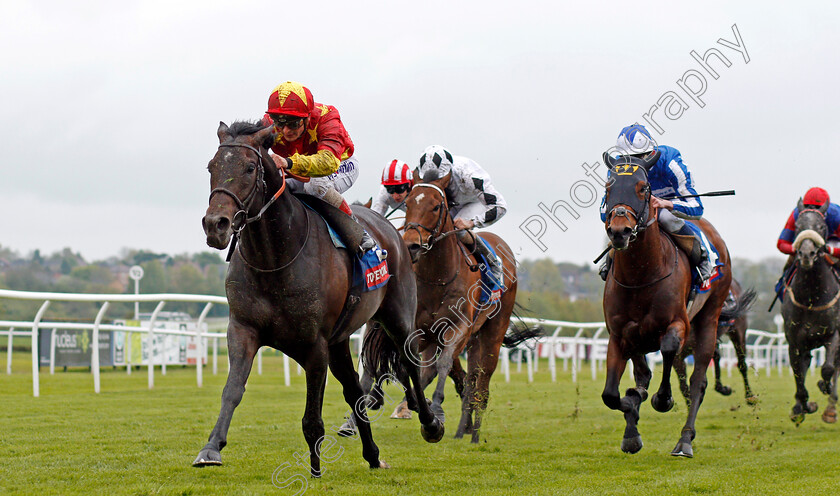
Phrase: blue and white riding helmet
(435, 163)
(635, 140)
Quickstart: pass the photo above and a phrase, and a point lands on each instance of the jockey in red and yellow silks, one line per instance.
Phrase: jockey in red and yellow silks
(312, 141)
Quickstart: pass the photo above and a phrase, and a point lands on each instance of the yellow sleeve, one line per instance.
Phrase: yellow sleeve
(323, 163)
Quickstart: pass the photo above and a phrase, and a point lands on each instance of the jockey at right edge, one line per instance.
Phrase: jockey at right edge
(668, 177)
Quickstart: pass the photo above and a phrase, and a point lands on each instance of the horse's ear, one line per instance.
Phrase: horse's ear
(609, 161)
(415, 175)
(265, 137)
(800, 206)
(824, 208)
(222, 132)
(651, 160)
(369, 202)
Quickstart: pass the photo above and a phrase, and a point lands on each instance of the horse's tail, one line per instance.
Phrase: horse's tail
(520, 331)
(380, 355)
(742, 304)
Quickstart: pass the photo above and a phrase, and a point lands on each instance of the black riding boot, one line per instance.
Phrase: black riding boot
(475, 245)
(605, 267)
(698, 255)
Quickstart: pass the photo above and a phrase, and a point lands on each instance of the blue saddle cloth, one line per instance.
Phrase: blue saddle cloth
(713, 254)
(370, 269)
(491, 288)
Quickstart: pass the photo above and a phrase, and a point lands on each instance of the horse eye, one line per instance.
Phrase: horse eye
(437, 207)
(251, 168)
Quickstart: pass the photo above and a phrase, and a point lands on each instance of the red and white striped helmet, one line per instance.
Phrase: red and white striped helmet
(397, 172)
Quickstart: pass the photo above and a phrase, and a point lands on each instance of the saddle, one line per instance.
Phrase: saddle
(349, 230)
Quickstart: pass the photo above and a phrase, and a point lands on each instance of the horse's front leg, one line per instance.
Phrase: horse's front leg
(669, 346)
(242, 347)
(799, 362)
(629, 404)
(827, 370)
(443, 365)
(315, 366)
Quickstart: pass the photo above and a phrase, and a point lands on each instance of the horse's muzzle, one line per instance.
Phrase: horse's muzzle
(218, 230)
(619, 237)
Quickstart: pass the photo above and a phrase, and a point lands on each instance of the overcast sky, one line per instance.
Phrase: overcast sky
(110, 109)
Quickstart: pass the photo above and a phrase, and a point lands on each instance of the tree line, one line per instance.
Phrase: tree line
(68, 272)
(547, 289)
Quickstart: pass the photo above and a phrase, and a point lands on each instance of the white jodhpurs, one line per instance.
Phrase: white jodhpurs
(340, 180)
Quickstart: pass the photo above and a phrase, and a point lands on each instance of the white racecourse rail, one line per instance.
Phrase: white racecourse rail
(573, 341)
(576, 342)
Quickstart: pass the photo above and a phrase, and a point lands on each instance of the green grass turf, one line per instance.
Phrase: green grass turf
(540, 438)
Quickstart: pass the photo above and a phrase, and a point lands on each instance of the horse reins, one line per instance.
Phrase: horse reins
(241, 215)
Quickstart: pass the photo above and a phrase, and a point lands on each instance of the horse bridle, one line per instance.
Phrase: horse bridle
(642, 221)
(240, 218)
(434, 233)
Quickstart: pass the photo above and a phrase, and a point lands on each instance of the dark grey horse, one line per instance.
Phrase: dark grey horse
(811, 312)
(290, 289)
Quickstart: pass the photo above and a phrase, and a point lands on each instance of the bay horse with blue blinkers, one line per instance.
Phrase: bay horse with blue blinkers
(811, 312)
(288, 288)
(645, 302)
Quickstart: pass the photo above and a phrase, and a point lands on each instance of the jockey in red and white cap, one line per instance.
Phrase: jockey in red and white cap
(312, 141)
(396, 183)
(814, 198)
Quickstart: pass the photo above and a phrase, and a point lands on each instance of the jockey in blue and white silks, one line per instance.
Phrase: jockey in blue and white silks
(668, 177)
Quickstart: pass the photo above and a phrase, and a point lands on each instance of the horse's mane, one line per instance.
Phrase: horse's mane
(245, 128)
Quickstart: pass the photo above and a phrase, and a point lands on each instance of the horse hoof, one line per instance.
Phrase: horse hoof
(346, 430)
(724, 390)
(684, 450)
(659, 405)
(632, 445)
(382, 464)
(434, 432)
(811, 407)
(207, 457)
(752, 400)
(797, 418)
(829, 416)
(401, 411)
(824, 386)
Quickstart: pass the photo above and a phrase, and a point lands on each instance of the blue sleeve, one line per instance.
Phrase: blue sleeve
(604, 208)
(680, 179)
